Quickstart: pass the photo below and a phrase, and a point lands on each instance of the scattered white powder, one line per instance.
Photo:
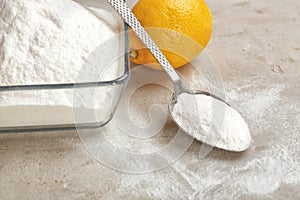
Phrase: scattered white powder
(47, 41)
(211, 121)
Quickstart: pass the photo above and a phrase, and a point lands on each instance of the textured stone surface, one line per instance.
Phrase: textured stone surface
(256, 45)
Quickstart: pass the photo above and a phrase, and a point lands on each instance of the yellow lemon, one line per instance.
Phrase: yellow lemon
(180, 28)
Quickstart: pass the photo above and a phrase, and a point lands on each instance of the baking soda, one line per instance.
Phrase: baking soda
(211, 121)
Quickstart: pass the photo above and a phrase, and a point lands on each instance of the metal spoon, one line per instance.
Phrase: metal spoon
(121, 7)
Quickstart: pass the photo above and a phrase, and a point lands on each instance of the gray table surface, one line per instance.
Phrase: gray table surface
(256, 45)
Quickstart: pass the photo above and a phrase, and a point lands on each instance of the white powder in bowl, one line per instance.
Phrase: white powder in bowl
(47, 41)
(211, 121)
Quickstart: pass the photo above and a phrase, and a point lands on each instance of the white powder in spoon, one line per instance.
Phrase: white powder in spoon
(211, 121)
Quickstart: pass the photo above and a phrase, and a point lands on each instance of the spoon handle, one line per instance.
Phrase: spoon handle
(121, 7)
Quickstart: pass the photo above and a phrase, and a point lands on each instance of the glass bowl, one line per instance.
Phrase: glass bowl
(48, 115)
